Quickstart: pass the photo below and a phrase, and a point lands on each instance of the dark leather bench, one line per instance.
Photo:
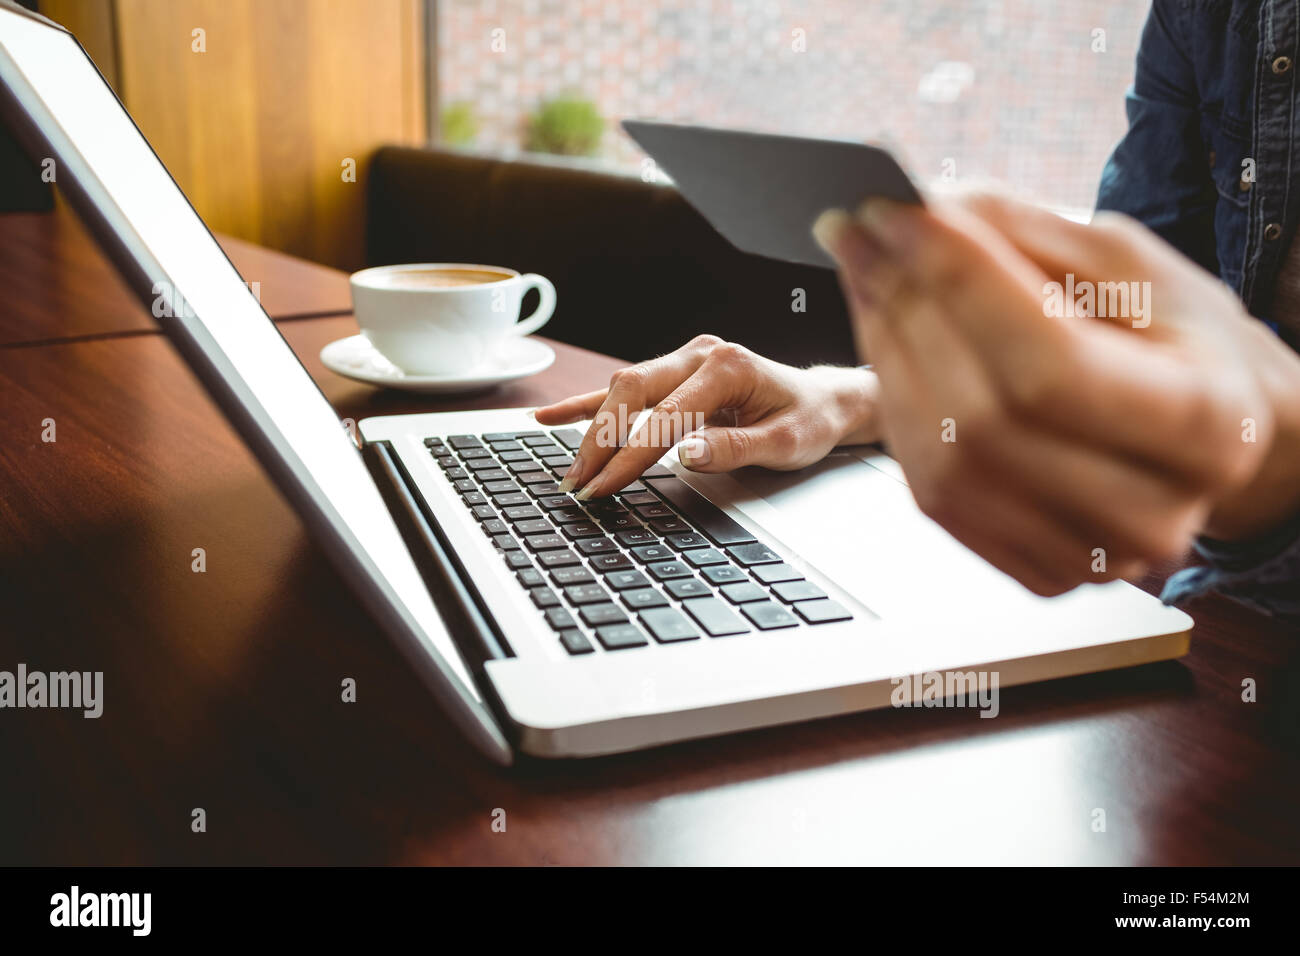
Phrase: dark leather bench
(637, 270)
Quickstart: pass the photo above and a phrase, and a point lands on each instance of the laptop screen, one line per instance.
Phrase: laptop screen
(268, 394)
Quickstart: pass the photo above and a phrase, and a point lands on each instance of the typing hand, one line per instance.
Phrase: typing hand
(732, 408)
(1061, 448)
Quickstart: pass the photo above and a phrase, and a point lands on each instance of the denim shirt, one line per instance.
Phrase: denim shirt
(1208, 164)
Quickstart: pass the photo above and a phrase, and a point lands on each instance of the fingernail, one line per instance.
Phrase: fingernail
(588, 492)
(532, 413)
(693, 451)
(828, 227)
(880, 218)
(572, 476)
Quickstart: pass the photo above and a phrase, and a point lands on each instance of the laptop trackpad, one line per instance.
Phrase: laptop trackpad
(857, 524)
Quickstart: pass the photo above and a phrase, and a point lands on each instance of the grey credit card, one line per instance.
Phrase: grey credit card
(763, 192)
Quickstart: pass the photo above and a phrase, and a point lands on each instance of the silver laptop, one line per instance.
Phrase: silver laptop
(685, 606)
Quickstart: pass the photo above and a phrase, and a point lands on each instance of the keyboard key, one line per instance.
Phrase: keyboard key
(484, 512)
(598, 615)
(767, 615)
(656, 471)
(562, 462)
(474, 498)
(616, 561)
(596, 546)
(537, 526)
(536, 441)
(530, 577)
(568, 437)
(495, 526)
(455, 474)
(640, 498)
(471, 453)
(431, 442)
(751, 554)
(616, 522)
(702, 557)
(559, 618)
(638, 537)
(724, 574)
(463, 441)
(544, 542)
(669, 525)
(822, 612)
(688, 540)
(526, 467)
(572, 575)
(773, 573)
(500, 487)
(586, 594)
(510, 498)
(517, 560)
(743, 592)
(544, 597)
(519, 455)
(643, 598)
(582, 529)
(653, 552)
(624, 580)
(667, 570)
(552, 502)
(557, 559)
(715, 617)
(656, 510)
(500, 447)
(575, 643)
(791, 591)
(483, 464)
(569, 515)
(505, 542)
(490, 437)
(490, 475)
(465, 485)
(667, 624)
(448, 461)
(521, 513)
(530, 434)
(615, 637)
(706, 516)
(544, 488)
(536, 479)
(683, 588)
(633, 488)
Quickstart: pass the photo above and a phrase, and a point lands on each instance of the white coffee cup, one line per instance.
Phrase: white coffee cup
(436, 318)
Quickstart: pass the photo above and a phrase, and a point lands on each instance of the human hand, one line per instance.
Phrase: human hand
(733, 408)
(1061, 449)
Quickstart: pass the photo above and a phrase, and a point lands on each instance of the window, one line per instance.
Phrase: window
(1028, 92)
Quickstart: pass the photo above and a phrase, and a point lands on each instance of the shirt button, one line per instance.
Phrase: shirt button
(1272, 231)
(1281, 65)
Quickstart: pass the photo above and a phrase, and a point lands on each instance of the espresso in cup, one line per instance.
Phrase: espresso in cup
(445, 317)
(444, 278)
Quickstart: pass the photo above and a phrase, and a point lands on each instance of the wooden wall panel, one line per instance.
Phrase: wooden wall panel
(256, 127)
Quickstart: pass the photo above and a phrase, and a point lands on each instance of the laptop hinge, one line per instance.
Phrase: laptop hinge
(469, 623)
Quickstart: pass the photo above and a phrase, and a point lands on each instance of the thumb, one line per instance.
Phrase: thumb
(715, 449)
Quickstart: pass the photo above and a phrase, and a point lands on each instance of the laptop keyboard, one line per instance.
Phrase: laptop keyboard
(654, 563)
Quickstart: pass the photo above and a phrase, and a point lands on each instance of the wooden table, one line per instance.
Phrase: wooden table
(222, 688)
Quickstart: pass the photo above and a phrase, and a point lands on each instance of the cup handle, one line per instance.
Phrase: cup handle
(542, 314)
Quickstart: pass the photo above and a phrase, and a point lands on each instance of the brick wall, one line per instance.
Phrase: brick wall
(1008, 89)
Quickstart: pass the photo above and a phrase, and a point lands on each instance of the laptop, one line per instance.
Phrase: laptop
(682, 607)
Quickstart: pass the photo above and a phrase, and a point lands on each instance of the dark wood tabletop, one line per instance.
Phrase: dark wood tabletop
(58, 286)
(221, 688)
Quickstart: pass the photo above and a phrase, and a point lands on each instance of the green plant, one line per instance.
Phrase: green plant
(568, 125)
(457, 124)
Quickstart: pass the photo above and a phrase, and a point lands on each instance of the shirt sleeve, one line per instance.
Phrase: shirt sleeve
(1263, 573)
(1160, 172)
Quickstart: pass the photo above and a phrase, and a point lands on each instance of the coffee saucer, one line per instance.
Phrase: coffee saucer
(355, 358)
